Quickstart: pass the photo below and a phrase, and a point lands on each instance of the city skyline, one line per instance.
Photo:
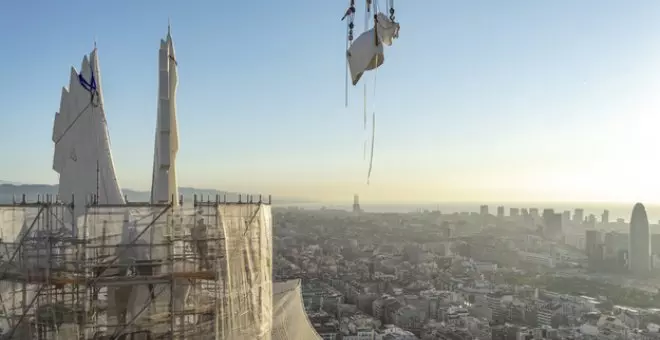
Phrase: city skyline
(560, 114)
(226, 190)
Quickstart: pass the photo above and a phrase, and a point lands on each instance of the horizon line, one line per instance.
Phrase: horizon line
(349, 201)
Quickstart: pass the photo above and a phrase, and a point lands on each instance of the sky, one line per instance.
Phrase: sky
(476, 101)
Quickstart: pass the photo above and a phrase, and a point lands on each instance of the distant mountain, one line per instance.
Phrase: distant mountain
(10, 191)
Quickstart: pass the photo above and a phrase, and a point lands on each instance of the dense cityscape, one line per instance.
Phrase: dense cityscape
(524, 273)
(479, 102)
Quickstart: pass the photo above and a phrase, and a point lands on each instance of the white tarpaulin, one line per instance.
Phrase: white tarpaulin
(245, 311)
(289, 318)
(366, 52)
(82, 155)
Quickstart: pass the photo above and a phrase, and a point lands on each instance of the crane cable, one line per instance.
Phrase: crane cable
(373, 115)
(347, 69)
(371, 6)
(364, 95)
(350, 14)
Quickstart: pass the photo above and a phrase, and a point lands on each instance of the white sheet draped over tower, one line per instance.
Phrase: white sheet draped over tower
(82, 155)
(164, 183)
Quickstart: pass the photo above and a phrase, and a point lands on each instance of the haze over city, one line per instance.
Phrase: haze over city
(553, 101)
(275, 171)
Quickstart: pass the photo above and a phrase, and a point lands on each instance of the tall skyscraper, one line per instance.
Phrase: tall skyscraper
(615, 241)
(578, 216)
(594, 239)
(552, 222)
(446, 229)
(500, 212)
(356, 203)
(639, 249)
(483, 210)
(534, 212)
(591, 221)
(605, 217)
(547, 214)
(655, 243)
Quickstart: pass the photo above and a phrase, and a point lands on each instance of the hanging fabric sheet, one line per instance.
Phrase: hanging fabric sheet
(367, 53)
(364, 55)
(388, 30)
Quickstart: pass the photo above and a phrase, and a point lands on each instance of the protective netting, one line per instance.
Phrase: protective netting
(246, 310)
(289, 319)
(11, 223)
(131, 254)
(33, 252)
(200, 273)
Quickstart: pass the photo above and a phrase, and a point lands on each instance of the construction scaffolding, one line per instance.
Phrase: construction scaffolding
(136, 270)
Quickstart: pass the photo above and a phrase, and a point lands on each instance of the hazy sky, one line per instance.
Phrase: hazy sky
(477, 100)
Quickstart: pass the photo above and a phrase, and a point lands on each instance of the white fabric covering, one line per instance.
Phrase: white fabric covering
(290, 321)
(366, 53)
(387, 30)
(246, 311)
(82, 155)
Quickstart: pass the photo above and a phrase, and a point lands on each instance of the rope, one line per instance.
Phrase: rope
(347, 71)
(373, 138)
(90, 87)
(376, 38)
(373, 116)
(364, 156)
(373, 126)
(350, 14)
(364, 109)
(371, 7)
(72, 123)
